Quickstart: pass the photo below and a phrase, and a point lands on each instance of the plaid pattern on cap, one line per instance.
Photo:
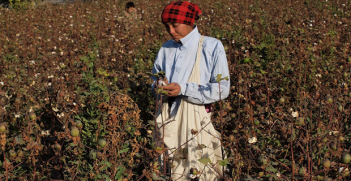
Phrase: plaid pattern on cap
(183, 12)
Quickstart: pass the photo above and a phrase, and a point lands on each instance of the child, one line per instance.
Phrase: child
(130, 15)
(130, 11)
(191, 63)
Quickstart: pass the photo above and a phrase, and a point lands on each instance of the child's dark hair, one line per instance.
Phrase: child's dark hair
(130, 5)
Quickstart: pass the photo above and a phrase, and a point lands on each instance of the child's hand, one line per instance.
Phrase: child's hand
(173, 89)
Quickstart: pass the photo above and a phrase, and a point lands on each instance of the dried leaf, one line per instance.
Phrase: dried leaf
(3, 141)
(74, 139)
(155, 177)
(19, 140)
(193, 132)
(34, 146)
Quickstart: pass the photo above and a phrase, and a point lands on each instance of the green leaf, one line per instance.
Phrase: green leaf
(204, 160)
(151, 122)
(201, 146)
(108, 164)
(120, 171)
(99, 176)
(72, 144)
(219, 76)
(271, 169)
(274, 163)
(261, 46)
(262, 71)
(73, 162)
(123, 151)
(104, 133)
(246, 60)
(224, 162)
(106, 177)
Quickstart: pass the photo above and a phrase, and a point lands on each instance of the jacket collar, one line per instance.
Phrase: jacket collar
(191, 38)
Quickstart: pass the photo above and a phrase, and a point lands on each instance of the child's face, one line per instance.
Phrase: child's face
(130, 10)
(178, 30)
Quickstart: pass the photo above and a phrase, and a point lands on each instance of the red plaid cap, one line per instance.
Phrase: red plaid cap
(181, 12)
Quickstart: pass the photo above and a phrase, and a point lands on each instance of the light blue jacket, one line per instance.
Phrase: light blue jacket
(177, 61)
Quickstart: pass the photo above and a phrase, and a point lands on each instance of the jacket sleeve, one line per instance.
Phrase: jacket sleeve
(211, 91)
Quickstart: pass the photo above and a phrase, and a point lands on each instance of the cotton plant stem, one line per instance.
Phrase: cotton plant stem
(292, 158)
(163, 130)
(12, 168)
(310, 142)
(33, 171)
(245, 128)
(237, 143)
(267, 92)
(308, 154)
(6, 167)
(221, 117)
(163, 143)
(155, 116)
(308, 131)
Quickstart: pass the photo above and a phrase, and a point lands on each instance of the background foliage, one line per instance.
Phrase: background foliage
(287, 117)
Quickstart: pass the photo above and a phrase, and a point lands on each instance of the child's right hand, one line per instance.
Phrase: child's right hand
(173, 89)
